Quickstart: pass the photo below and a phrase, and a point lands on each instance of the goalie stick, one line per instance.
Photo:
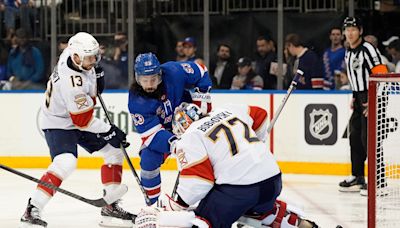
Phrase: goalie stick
(108, 198)
(292, 87)
(128, 160)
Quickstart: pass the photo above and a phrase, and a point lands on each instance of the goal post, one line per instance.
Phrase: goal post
(383, 151)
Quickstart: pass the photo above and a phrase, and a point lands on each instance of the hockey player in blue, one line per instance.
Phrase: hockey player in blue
(158, 89)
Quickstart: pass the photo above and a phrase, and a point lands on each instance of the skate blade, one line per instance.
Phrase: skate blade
(107, 221)
(355, 188)
(28, 225)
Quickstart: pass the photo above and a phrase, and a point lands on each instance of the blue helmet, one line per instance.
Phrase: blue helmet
(147, 64)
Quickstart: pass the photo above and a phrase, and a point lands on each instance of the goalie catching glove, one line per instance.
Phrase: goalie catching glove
(115, 137)
(202, 99)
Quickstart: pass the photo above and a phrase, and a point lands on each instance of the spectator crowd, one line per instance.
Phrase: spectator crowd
(24, 64)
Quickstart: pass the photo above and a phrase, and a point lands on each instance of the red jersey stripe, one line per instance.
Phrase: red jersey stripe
(259, 115)
(202, 169)
(82, 119)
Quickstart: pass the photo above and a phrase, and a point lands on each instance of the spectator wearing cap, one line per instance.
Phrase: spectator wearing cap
(189, 49)
(374, 41)
(25, 63)
(306, 61)
(390, 40)
(246, 77)
(265, 55)
(223, 70)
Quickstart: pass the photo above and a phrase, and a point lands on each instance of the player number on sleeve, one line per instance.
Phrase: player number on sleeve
(213, 135)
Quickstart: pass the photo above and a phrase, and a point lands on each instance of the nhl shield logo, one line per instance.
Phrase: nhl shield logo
(320, 124)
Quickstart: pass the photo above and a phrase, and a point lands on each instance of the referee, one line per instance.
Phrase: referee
(362, 59)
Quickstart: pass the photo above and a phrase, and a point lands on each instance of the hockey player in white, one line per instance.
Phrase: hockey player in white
(67, 121)
(227, 168)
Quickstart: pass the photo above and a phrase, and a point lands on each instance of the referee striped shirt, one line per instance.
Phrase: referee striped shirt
(361, 62)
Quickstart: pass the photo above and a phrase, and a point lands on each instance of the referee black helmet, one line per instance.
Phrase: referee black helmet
(352, 22)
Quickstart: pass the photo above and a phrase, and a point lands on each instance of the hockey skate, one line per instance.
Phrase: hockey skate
(31, 217)
(352, 184)
(114, 216)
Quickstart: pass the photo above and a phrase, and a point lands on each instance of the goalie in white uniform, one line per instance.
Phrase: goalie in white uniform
(67, 121)
(227, 168)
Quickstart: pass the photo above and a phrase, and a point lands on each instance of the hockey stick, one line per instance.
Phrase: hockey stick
(292, 87)
(176, 185)
(108, 198)
(128, 160)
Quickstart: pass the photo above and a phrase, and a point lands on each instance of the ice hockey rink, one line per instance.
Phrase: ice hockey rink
(317, 195)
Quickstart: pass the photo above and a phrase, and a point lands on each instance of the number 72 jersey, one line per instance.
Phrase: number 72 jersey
(225, 147)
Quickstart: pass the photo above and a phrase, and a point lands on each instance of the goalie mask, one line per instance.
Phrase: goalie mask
(184, 115)
(86, 47)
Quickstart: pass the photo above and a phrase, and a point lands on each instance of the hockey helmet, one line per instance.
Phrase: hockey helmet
(147, 64)
(184, 115)
(83, 44)
(352, 22)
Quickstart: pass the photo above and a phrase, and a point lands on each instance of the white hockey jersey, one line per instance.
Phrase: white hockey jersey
(70, 98)
(225, 147)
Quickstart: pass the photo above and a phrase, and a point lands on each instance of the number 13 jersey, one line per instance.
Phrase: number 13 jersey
(70, 98)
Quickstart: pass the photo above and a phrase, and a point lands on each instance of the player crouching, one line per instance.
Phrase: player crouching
(225, 166)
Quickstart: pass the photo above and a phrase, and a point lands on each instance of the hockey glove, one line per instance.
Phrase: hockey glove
(115, 137)
(172, 143)
(202, 99)
(100, 78)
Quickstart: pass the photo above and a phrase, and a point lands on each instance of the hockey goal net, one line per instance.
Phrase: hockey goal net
(384, 151)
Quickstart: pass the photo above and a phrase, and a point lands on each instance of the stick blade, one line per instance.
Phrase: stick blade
(115, 194)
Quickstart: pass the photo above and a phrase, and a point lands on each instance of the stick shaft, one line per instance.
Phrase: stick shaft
(292, 87)
(128, 160)
(97, 203)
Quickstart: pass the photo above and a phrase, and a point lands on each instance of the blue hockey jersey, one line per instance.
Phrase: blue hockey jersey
(152, 117)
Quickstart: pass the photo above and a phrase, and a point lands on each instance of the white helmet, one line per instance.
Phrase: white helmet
(184, 115)
(83, 44)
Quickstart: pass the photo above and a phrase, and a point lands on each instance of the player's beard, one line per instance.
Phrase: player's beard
(156, 94)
